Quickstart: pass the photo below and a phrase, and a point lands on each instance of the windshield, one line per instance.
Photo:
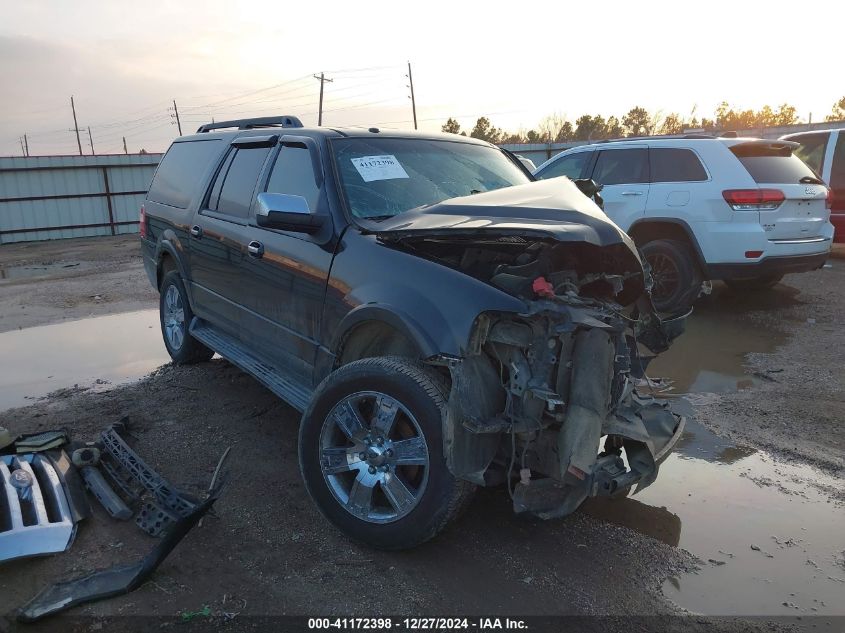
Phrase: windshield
(382, 177)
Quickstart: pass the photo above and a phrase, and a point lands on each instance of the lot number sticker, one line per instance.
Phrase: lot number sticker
(379, 168)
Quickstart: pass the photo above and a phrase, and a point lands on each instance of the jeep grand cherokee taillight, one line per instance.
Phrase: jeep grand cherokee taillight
(753, 199)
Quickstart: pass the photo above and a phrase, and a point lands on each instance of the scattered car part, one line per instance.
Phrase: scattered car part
(6, 438)
(105, 494)
(35, 515)
(37, 442)
(72, 483)
(86, 456)
(117, 580)
(137, 481)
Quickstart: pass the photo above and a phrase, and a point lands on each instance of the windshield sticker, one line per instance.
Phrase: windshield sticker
(379, 168)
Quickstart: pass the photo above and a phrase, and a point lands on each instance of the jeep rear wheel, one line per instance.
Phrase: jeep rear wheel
(175, 315)
(675, 274)
(754, 283)
(371, 453)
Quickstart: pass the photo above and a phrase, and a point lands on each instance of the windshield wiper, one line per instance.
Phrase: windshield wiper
(810, 180)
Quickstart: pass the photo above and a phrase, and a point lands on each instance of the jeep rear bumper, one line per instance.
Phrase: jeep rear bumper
(767, 266)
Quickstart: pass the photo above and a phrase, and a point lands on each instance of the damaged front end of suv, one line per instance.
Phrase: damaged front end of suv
(545, 399)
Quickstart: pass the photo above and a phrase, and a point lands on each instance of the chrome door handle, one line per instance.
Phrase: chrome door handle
(255, 249)
(196, 231)
(632, 193)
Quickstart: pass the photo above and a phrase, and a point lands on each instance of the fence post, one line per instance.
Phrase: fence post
(108, 199)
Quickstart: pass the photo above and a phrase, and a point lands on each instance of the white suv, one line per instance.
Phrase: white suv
(743, 210)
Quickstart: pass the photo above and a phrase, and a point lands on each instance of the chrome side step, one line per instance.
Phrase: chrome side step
(293, 392)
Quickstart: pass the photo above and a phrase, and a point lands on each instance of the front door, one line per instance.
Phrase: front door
(286, 273)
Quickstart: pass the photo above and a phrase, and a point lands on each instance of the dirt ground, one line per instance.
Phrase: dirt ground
(798, 407)
(268, 550)
(47, 282)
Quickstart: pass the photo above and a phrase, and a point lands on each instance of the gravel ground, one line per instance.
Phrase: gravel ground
(268, 551)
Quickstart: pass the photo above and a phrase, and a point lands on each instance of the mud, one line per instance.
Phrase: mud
(740, 525)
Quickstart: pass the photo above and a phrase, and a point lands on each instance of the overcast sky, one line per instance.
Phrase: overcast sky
(513, 62)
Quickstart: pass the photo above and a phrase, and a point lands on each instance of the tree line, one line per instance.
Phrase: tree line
(638, 121)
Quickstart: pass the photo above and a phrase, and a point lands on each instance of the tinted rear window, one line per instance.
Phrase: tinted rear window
(769, 164)
(180, 171)
(621, 166)
(669, 164)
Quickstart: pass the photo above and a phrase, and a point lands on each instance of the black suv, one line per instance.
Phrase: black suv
(442, 320)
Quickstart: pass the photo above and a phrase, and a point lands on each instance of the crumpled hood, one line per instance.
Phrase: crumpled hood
(551, 209)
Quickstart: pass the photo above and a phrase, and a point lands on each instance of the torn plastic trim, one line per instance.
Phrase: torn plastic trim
(35, 514)
(117, 580)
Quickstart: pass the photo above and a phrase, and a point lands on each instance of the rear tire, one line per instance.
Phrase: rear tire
(754, 283)
(175, 315)
(371, 453)
(677, 280)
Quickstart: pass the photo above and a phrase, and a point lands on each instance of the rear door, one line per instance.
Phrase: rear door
(219, 239)
(624, 173)
(678, 182)
(803, 213)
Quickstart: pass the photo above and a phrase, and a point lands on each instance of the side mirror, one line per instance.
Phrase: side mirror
(588, 186)
(286, 213)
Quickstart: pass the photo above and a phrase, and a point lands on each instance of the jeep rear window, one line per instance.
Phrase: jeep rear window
(771, 163)
(180, 171)
(418, 173)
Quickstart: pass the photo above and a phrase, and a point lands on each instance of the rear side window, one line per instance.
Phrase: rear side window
(180, 171)
(621, 166)
(571, 166)
(293, 174)
(238, 175)
(670, 164)
(811, 150)
(771, 164)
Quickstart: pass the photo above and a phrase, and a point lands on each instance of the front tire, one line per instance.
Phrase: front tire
(754, 283)
(677, 280)
(371, 453)
(175, 315)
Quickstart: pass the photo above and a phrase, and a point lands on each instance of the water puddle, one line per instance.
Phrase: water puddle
(770, 537)
(111, 349)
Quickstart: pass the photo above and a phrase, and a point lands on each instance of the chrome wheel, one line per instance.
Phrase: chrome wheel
(174, 318)
(374, 457)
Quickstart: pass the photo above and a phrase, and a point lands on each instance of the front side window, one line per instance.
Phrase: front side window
(811, 150)
(293, 174)
(621, 166)
(231, 193)
(382, 177)
(571, 166)
(670, 164)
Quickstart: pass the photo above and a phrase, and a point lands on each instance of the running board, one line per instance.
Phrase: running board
(294, 393)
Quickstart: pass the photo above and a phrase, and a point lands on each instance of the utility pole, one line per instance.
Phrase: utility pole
(125, 151)
(323, 80)
(76, 125)
(26, 144)
(413, 101)
(178, 122)
(23, 151)
(91, 140)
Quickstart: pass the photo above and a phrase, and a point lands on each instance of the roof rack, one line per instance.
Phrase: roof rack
(249, 124)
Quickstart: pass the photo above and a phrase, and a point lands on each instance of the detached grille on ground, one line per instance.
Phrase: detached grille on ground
(35, 516)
